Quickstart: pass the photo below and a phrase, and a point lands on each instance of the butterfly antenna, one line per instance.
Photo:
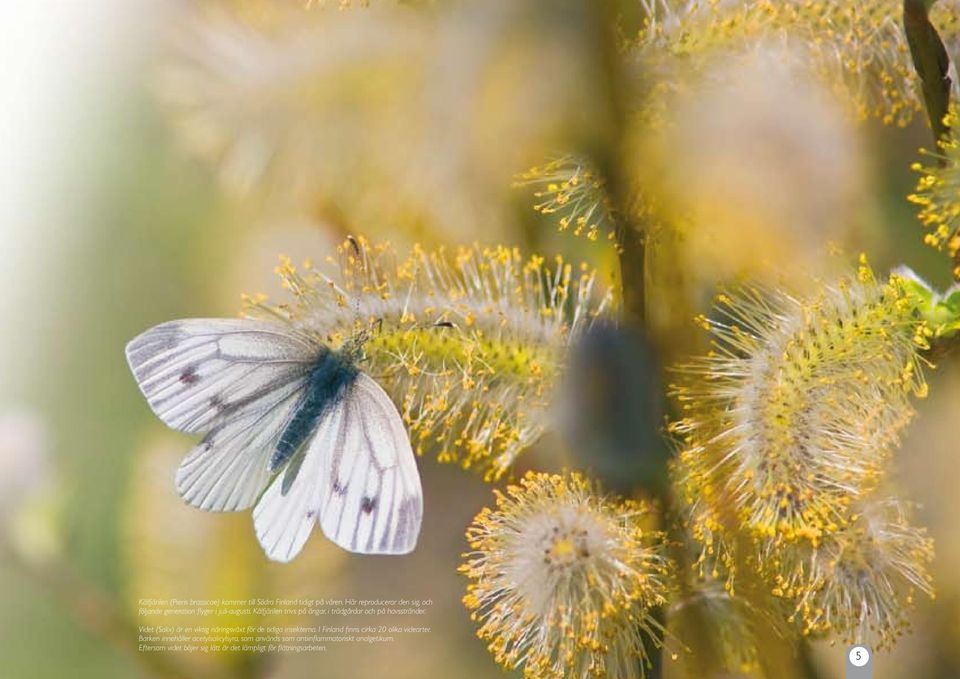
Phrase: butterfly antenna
(355, 244)
(353, 346)
(358, 251)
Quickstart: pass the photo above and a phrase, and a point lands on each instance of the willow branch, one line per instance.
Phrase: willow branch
(611, 162)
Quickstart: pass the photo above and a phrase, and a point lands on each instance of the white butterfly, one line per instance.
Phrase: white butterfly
(282, 412)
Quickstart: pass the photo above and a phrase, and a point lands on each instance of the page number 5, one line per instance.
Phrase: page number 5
(859, 656)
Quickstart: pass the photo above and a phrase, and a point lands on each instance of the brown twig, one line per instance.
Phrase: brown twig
(609, 158)
(611, 161)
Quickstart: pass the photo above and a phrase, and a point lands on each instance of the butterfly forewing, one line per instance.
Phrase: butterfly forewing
(196, 372)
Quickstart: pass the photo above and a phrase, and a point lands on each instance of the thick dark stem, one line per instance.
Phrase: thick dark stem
(632, 271)
(611, 162)
(610, 159)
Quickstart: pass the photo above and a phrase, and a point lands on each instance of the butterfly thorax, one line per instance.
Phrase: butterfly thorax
(329, 379)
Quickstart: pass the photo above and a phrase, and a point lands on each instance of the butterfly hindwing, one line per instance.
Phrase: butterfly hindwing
(228, 470)
(287, 512)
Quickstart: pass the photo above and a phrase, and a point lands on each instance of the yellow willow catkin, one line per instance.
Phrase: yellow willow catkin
(563, 581)
(938, 192)
(858, 48)
(733, 626)
(469, 343)
(567, 186)
(858, 583)
(794, 413)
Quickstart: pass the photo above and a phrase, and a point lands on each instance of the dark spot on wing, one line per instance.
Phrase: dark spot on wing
(339, 489)
(217, 403)
(311, 513)
(408, 524)
(368, 504)
(189, 375)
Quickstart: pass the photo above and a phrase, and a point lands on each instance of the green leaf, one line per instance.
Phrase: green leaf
(948, 329)
(951, 300)
(916, 287)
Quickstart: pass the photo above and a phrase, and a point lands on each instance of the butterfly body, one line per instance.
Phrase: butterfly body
(290, 427)
(327, 383)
